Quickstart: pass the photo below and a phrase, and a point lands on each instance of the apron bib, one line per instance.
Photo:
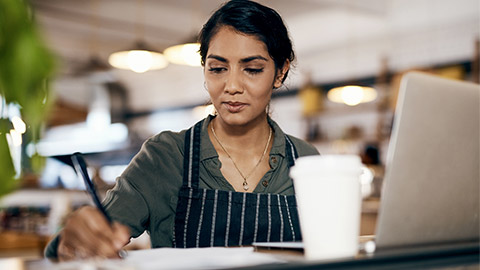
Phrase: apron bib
(209, 218)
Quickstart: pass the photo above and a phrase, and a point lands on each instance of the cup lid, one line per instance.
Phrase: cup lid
(326, 163)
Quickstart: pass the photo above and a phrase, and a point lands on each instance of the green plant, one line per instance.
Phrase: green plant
(25, 66)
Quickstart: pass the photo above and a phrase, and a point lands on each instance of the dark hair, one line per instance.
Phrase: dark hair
(250, 18)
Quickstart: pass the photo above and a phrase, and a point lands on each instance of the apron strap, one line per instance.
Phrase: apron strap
(290, 151)
(191, 156)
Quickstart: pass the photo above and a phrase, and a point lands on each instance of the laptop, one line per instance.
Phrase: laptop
(431, 188)
(430, 197)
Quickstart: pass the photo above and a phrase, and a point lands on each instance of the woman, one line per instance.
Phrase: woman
(213, 184)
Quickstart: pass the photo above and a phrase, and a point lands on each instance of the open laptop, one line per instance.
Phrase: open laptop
(431, 187)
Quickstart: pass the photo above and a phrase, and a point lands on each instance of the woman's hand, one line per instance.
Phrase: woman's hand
(88, 234)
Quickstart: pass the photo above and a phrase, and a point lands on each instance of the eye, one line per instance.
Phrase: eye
(254, 70)
(217, 69)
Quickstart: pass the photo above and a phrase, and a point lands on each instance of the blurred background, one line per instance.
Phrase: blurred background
(107, 112)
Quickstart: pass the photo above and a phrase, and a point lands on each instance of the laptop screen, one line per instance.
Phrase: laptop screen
(431, 187)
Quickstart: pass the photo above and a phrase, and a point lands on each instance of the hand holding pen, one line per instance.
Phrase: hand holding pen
(89, 231)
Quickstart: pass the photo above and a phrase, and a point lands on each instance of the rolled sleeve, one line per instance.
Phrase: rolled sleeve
(142, 196)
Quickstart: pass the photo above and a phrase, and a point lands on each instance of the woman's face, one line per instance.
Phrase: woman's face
(240, 76)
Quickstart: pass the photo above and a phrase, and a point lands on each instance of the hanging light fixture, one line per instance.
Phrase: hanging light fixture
(187, 53)
(184, 54)
(352, 95)
(141, 57)
(95, 64)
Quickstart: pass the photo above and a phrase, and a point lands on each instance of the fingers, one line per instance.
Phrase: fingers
(91, 234)
(65, 252)
(88, 234)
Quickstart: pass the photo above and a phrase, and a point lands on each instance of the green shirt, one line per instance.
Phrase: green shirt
(145, 195)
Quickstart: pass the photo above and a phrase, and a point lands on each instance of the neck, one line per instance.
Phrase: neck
(241, 136)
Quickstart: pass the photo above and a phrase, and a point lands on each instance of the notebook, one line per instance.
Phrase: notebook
(431, 189)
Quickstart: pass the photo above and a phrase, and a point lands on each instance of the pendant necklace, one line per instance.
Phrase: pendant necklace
(245, 183)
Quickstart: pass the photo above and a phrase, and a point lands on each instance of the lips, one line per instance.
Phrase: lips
(234, 107)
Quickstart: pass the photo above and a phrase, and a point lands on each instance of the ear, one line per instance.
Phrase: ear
(281, 73)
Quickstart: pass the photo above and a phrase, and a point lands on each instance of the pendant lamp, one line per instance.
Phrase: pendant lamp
(184, 54)
(352, 95)
(188, 51)
(140, 58)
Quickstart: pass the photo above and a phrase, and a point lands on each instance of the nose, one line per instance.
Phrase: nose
(233, 83)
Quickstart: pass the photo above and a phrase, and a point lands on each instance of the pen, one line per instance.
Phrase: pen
(80, 165)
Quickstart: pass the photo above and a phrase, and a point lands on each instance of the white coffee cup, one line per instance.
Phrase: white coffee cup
(328, 195)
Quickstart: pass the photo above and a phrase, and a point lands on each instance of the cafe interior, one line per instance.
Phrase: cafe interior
(122, 71)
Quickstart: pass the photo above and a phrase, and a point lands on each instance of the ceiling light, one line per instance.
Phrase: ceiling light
(139, 59)
(352, 95)
(184, 54)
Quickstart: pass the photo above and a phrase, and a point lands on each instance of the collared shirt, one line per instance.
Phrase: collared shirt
(145, 195)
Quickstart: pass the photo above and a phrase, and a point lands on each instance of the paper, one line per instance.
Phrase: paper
(175, 258)
(197, 258)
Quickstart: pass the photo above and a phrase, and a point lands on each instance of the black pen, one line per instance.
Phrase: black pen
(80, 165)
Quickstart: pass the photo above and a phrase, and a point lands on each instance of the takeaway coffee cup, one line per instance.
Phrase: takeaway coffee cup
(328, 196)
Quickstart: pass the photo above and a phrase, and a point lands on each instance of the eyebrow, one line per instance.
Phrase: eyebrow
(244, 60)
(217, 57)
(251, 58)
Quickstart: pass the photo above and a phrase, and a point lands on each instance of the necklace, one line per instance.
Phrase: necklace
(245, 183)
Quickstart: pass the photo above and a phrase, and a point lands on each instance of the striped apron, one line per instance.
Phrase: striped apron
(212, 217)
